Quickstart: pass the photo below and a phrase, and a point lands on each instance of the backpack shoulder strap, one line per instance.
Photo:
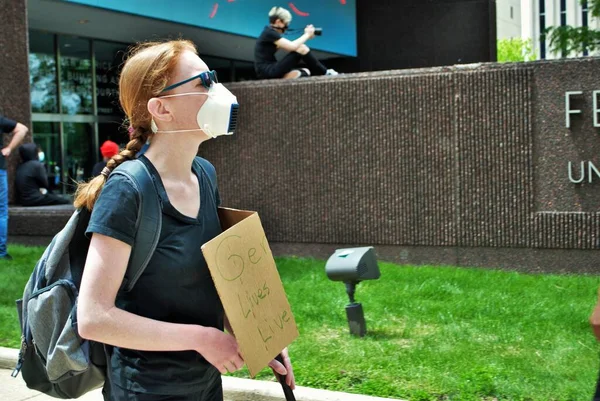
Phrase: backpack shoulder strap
(148, 223)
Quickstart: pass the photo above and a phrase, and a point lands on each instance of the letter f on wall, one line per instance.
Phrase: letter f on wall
(568, 110)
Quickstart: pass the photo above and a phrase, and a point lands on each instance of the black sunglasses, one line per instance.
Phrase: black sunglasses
(207, 78)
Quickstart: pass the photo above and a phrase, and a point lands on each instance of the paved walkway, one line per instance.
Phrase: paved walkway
(15, 390)
(234, 389)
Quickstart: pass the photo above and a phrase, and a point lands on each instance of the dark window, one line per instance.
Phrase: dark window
(512, 15)
(42, 73)
(75, 75)
(221, 65)
(47, 136)
(563, 19)
(584, 20)
(112, 131)
(542, 5)
(244, 70)
(79, 152)
(109, 56)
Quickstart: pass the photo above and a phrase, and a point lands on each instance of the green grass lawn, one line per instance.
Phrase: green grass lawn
(13, 277)
(433, 333)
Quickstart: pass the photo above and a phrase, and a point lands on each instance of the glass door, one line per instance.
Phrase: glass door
(47, 137)
(78, 146)
(75, 105)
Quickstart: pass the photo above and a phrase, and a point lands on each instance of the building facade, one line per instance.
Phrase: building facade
(492, 165)
(73, 83)
(76, 48)
(508, 18)
(60, 60)
(538, 15)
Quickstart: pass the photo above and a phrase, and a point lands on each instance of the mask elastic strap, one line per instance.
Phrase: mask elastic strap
(185, 130)
(185, 94)
(155, 129)
(178, 130)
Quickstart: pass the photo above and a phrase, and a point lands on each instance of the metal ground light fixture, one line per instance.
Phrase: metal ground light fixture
(353, 265)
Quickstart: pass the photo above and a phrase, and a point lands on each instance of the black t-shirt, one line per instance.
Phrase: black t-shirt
(6, 126)
(176, 286)
(265, 48)
(98, 167)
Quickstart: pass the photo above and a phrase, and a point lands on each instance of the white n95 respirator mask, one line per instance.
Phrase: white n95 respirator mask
(217, 116)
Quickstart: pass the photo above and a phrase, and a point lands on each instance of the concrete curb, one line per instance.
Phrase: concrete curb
(242, 389)
(8, 358)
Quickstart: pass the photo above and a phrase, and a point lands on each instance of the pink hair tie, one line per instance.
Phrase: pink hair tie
(130, 129)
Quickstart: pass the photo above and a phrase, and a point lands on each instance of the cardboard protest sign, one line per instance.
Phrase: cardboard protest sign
(248, 283)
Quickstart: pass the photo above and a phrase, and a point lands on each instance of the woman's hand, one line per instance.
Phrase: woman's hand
(220, 350)
(310, 31)
(285, 369)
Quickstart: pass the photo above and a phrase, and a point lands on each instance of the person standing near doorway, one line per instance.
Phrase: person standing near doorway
(7, 126)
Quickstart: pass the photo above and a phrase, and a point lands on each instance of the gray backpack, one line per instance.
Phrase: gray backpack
(53, 358)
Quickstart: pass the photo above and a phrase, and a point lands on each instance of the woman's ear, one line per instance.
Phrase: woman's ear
(159, 110)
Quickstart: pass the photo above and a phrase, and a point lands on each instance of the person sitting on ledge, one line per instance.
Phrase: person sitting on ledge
(270, 40)
(31, 180)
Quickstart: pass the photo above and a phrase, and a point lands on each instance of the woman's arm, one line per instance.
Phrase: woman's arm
(292, 46)
(100, 320)
(19, 134)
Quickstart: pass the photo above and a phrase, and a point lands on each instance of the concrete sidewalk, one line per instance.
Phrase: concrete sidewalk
(234, 389)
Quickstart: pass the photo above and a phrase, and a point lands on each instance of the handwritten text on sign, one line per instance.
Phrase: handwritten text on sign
(245, 275)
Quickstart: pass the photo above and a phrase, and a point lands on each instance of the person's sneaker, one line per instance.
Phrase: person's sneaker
(6, 257)
(331, 72)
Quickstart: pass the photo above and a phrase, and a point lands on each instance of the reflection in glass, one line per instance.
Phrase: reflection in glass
(109, 58)
(75, 75)
(47, 136)
(74, 162)
(79, 154)
(42, 73)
